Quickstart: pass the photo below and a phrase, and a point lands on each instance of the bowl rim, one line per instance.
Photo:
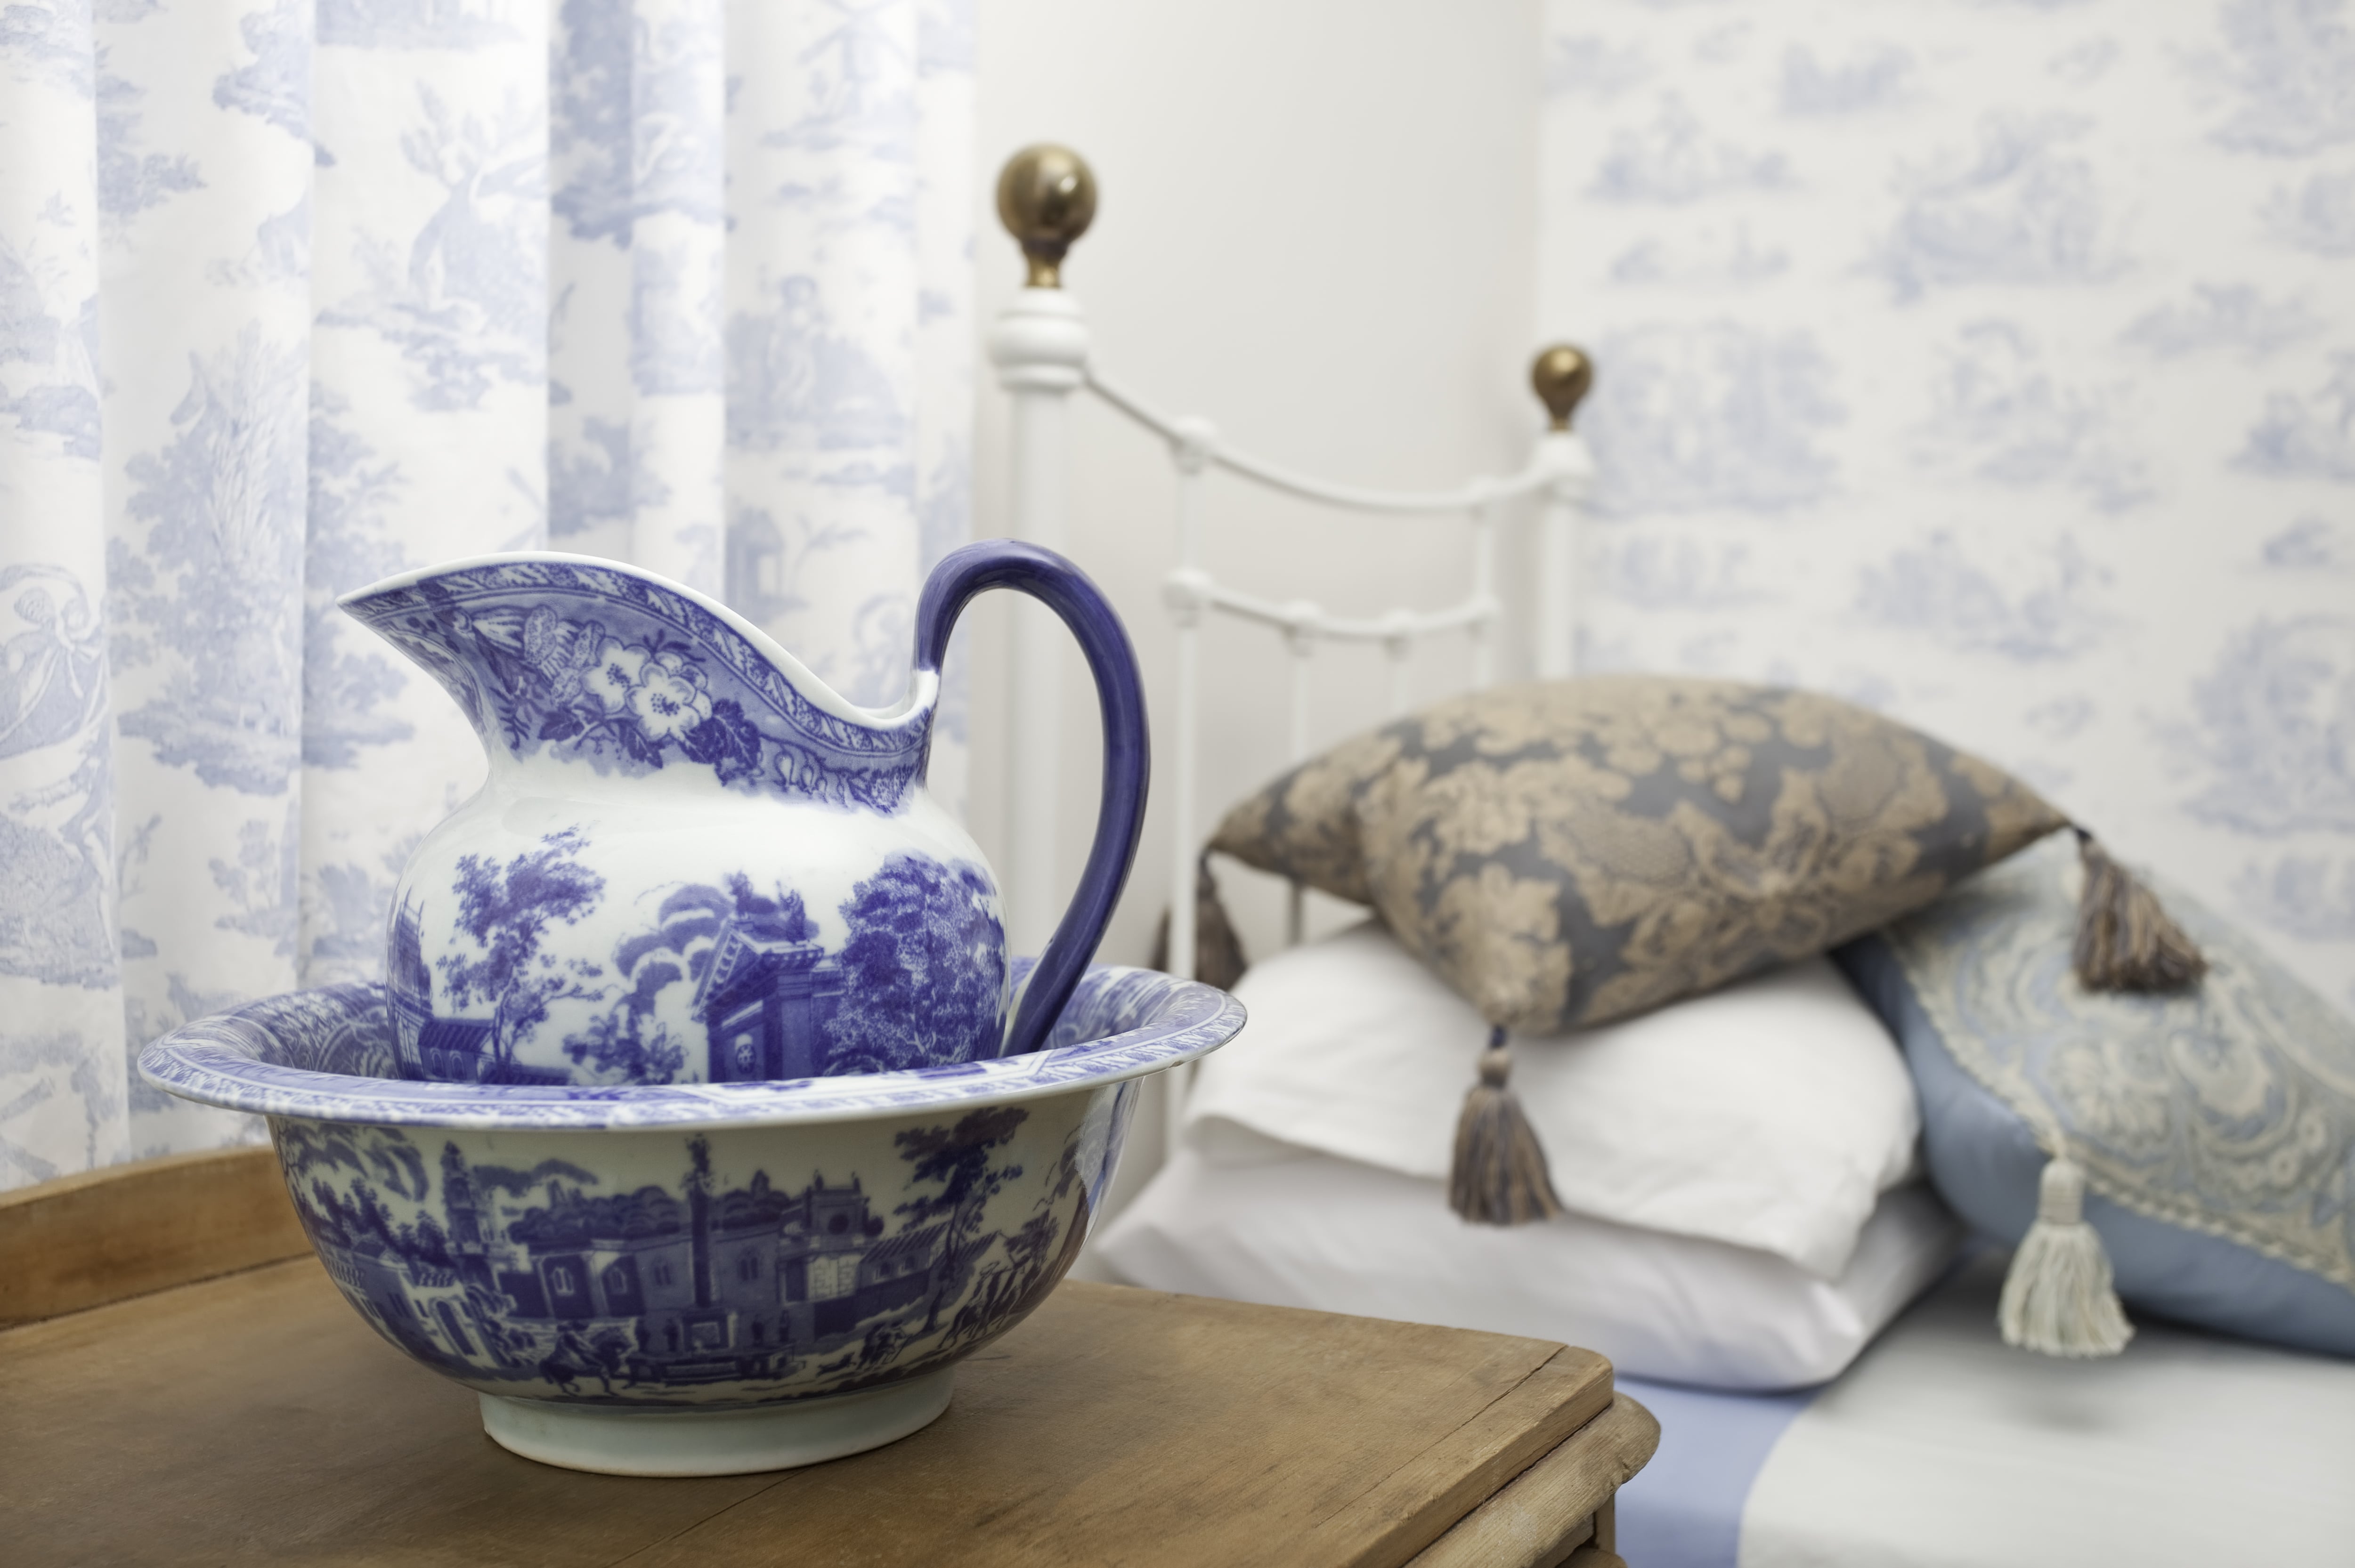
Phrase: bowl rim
(216, 1061)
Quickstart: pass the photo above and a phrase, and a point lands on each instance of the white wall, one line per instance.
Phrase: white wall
(1317, 227)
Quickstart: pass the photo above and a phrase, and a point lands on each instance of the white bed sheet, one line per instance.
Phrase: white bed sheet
(1943, 1448)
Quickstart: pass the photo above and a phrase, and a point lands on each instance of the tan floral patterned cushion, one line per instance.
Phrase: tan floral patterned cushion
(1568, 852)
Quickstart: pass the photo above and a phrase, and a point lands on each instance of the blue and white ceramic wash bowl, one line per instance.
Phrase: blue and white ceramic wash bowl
(693, 861)
(695, 1278)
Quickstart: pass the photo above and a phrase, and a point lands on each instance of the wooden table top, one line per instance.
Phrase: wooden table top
(255, 1418)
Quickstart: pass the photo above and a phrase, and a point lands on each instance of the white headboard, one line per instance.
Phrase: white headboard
(1046, 196)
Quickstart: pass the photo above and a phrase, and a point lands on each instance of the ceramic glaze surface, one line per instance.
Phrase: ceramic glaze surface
(721, 1268)
(780, 1246)
(331, 1055)
(692, 861)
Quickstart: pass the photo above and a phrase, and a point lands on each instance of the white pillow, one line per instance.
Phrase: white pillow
(1304, 1230)
(1770, 1114)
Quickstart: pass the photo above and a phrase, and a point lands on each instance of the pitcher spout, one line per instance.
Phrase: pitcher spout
(578, 662)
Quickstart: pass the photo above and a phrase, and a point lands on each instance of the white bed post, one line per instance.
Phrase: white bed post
(1561, 376)
(1046, 198)
(1187, 592)
(1483, 630)
(1300, 639)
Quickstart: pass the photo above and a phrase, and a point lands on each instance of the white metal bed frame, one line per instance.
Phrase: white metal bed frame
(1039, 347)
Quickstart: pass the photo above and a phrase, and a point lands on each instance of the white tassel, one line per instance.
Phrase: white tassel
(2058, 1298)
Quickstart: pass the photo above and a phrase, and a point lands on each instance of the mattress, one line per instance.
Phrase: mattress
(1942, 1449)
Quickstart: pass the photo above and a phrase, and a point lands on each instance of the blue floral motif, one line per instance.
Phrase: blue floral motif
(651, 679)
(332, 1054)
(215, 597)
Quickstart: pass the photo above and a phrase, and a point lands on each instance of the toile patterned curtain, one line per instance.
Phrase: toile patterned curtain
(297, 294)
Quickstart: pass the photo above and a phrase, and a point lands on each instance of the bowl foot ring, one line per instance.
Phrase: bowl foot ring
(724, 1442)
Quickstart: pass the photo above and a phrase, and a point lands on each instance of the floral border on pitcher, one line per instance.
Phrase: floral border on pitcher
(655, 676)
(1120, 1023)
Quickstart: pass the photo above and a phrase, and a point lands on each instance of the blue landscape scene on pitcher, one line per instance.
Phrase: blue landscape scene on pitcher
(723, 983)
(555, 1281)
(693, 862)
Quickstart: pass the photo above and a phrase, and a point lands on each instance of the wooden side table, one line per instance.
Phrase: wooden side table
(250, 1416)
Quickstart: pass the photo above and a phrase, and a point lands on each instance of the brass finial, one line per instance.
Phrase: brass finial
(1046, 198)
(1562, 376)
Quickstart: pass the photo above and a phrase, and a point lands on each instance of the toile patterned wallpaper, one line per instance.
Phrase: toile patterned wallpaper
(1990, 362)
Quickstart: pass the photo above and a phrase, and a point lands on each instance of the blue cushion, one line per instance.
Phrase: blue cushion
(2240, 1242)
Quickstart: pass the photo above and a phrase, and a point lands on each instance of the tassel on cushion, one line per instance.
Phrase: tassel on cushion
(1218, 956)
(2125, 941)
(1500, 1176)
(2058, 1298)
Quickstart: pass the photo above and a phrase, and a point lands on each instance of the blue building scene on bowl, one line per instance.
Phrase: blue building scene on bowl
(540, 1281)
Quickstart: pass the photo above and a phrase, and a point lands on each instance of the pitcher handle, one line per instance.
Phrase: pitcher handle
(1127, 748)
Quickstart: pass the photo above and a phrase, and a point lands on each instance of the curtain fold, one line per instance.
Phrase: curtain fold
(296, 295)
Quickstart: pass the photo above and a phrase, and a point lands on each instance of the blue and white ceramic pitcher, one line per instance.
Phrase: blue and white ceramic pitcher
(693, 861)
